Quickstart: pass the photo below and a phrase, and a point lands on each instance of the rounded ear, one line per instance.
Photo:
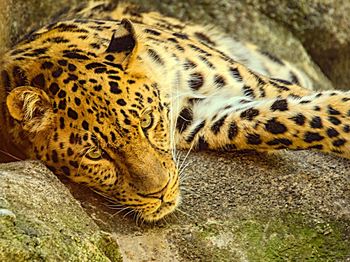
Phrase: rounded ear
(124, 44)
(31, 106)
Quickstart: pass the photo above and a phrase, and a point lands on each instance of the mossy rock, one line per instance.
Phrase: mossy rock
(41, 221)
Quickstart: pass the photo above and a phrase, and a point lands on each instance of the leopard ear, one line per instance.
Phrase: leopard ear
(31, 106)
(124, 44)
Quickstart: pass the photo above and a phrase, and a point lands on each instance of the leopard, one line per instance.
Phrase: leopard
(108, 92)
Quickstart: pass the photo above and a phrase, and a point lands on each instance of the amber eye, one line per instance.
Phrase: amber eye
(94, 154)
(147, 120)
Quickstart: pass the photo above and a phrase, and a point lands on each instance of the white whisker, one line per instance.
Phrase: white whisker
(138, 218)
(107, 197)
(10, 155)
(175, 216)
(128, 213)
(178, 160)
(183, 169)
(120, 211)
(188, 152)
(114, 207)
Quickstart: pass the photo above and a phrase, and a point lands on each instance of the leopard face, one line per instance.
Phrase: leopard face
(93, 116)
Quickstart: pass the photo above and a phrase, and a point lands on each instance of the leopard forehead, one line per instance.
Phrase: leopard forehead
(85, 82)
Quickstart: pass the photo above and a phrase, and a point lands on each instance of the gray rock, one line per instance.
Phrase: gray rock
(243, 207)
(236, 207)
(322, 26)
(4, 25)
(41, 221)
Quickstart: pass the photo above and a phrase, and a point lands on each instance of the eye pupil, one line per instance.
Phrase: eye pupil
(146, 121)
(94, 154)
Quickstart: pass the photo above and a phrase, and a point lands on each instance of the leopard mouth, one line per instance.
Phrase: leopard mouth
(164, 208)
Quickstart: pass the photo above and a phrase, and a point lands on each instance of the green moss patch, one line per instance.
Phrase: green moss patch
(284, 238)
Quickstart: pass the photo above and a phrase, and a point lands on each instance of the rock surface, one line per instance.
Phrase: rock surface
(322, 26)
(244, 207)
(236, 207)
(4, 25)
(41, 221)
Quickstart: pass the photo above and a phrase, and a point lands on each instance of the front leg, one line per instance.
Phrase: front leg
(318, 121)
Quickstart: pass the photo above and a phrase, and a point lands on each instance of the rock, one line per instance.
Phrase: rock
(242, 207)
(236, 207)
(40, 220)
(26, 15)
(322, 26)
(4, 25)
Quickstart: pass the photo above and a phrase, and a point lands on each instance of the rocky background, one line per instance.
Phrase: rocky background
(236, 207)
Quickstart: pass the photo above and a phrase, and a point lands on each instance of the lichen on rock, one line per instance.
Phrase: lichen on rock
(40, 220)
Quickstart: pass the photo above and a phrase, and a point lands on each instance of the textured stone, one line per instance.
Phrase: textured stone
(322, 26)
(26, 15)
(242, 207)
(4, 25)
(41, 221)
(236, 206)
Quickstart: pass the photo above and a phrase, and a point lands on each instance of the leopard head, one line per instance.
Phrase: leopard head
(87, 109)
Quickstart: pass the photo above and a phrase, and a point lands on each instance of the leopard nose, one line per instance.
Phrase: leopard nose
(158, 194)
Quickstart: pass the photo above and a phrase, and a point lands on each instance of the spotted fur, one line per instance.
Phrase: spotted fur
(105, 93)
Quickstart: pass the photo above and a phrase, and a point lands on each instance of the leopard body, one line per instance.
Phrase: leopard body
(106, 93)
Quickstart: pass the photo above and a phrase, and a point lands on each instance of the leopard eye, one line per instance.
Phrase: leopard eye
(146, 120)
(94, 154)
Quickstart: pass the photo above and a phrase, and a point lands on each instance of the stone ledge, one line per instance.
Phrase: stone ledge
(40, 220)
(243, 207)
